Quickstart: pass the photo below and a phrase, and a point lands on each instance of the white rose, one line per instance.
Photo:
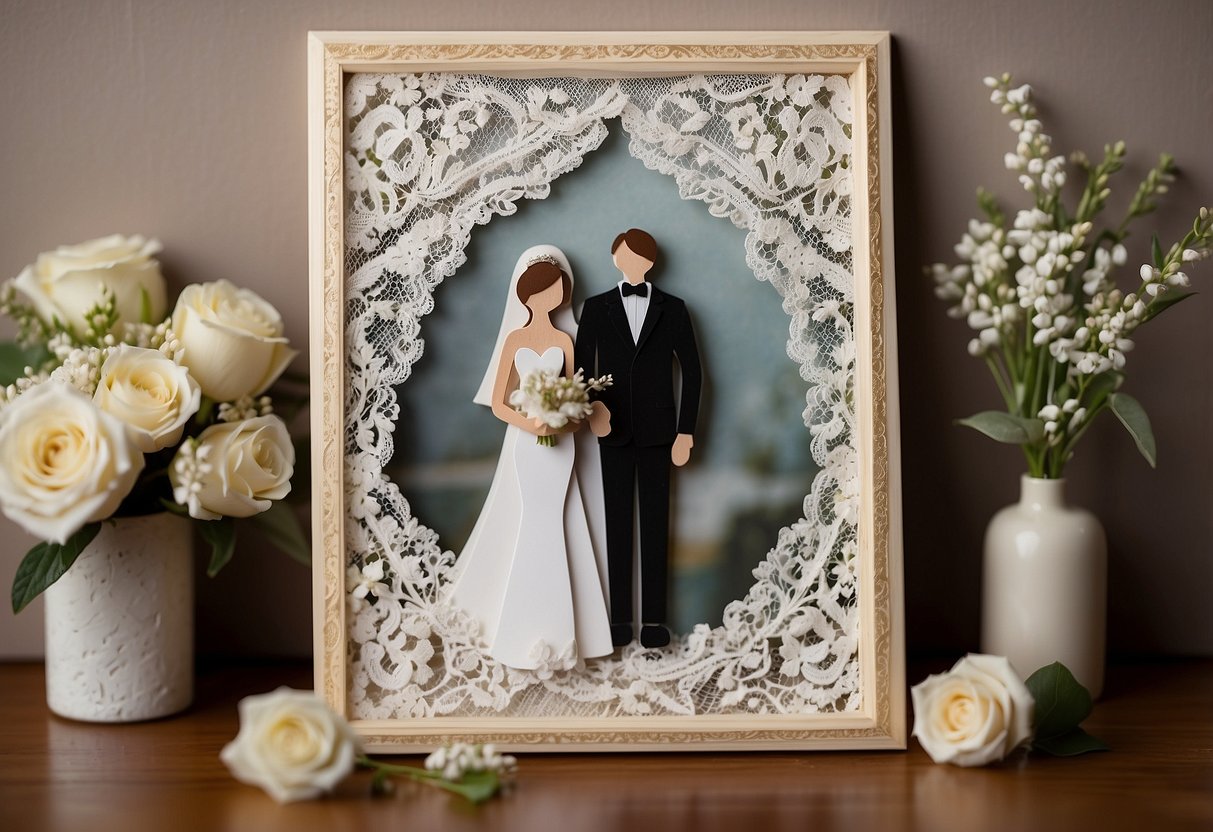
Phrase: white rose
(67, 282)
(232, 340)
(976, 713)
(291, 745)
(235, 470)
(63, 462)
(150, 392)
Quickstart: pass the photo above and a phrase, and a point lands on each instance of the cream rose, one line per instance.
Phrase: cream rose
(235, 470)
(232, 340)
(67, 282)
(151, 393)
(976, 713)
(63, 462)
(291, 745)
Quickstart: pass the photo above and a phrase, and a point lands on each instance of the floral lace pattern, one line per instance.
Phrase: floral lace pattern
(429, 157)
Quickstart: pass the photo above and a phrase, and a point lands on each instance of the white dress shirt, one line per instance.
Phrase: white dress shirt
(637, 308)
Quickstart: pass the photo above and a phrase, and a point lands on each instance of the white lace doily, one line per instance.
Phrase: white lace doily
(428, 158)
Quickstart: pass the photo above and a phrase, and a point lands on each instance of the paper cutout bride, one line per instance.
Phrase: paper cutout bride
(534, 568)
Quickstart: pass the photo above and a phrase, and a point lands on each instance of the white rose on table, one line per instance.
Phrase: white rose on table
(63, 462)
(976, 713)
(291, 745)
(151, 393)
(232, 340)
(67, 282)
(235, 469)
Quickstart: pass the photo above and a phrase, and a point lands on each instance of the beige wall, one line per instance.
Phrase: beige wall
(185, 120)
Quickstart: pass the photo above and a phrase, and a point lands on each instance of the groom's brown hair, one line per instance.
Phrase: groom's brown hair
(639, 242)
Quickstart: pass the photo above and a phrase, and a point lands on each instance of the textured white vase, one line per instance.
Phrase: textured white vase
(120, 624)
(1044, 585)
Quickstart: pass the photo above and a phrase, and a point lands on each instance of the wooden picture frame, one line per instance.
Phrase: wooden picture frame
(862, 58)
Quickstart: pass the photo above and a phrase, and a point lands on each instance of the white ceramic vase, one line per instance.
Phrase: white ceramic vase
(120, 624)
(1044, 585)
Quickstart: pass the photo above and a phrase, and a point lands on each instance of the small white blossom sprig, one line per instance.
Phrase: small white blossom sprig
(1050, 322)
(31, 329)
(76, 357)
(555, 399)
(245, 407)
(474, 772)
(191, 467)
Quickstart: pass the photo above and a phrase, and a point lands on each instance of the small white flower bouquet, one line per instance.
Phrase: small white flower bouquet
(111, 407)
(554, 399)
(1039, 291)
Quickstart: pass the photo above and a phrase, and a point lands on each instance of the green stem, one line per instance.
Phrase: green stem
(1068, 448)
(999, 379)
(1039, 376)
(404, 771)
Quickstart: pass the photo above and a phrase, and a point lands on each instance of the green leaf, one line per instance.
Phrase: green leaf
(1101, 385)
(1156, 251)
(1070, 744)
(1062, 703)
(475, 786)
(46, 563)
(281, 527)
(221, 534)
(174, 508)
(1133, 416)
(206, 407)
(14, 358)
(1165, 301)
(1005, 427)
(145, 306)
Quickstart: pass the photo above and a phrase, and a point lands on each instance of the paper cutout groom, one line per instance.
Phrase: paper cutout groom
(635, 332)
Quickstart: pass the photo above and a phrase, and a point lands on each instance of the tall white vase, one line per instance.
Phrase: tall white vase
(1044, 585)
(120, 624)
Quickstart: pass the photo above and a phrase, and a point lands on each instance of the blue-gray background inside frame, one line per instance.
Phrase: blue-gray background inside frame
(751, 466)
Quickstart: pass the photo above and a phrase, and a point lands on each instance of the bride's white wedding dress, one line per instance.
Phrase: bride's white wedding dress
(528, 573)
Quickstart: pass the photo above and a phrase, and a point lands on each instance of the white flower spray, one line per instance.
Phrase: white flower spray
(1049, 320)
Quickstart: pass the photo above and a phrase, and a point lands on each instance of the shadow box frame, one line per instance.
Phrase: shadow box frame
(863, 57)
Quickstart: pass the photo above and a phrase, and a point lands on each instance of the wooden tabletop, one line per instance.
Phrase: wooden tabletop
(61, 775)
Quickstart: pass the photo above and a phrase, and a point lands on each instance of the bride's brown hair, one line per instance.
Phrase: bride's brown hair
(539, 276)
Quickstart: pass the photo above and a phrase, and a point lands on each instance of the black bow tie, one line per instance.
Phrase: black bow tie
(641, 289)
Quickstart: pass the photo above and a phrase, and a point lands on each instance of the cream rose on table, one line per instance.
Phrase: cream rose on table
(154, 395)
(232, 340)
(65, 284)
(976, 713)
(294, 747)
(291, 745)
(63, 462)
(234, 469)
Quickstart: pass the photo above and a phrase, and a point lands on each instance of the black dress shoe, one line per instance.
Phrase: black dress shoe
(621, 634)
(654, 635)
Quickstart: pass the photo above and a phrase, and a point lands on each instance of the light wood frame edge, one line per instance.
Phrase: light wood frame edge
(864, 56)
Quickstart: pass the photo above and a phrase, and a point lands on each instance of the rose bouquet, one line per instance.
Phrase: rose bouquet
(111, 408)
(1051, 323)
(554, 399)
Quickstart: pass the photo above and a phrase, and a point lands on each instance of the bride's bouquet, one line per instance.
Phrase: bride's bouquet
(555, 399)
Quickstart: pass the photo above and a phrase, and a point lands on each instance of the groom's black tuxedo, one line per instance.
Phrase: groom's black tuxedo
(636, 453)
